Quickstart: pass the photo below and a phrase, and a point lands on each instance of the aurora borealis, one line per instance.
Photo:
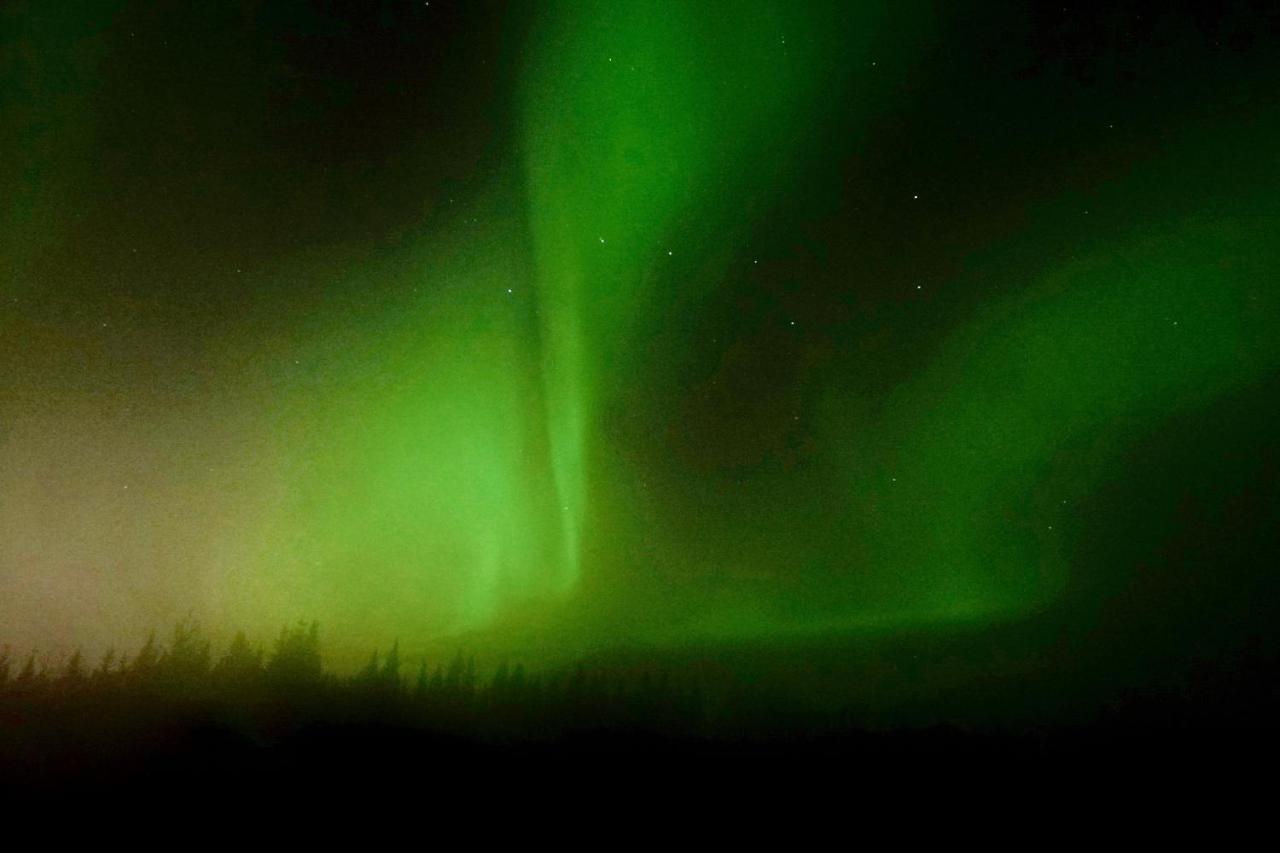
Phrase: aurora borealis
(581, 324)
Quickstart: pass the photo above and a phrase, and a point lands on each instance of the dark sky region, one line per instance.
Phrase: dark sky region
(567, 326)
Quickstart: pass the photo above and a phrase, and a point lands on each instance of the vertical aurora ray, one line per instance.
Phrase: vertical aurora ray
(649, 132)
(410, 466)
(442, 475)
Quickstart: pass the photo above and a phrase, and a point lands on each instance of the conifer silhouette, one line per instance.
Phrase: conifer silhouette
(73, 673)
(295, 663)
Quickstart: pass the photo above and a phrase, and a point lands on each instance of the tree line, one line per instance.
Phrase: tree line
(453, 694)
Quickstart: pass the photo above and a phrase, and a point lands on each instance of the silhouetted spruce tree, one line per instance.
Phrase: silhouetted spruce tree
(437, 680)
(368, 677)
(73, 673)
(104, 671)
(241, 667)
(390, 675)
(422, 684)
(295, 663)
(31, 677)
(453, 678)
(500, 678)
(28, 673)
(146, 661)
(187, 663)
(469, 678)
(500, 697)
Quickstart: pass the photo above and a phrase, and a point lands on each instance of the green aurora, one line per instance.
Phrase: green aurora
(647, 369)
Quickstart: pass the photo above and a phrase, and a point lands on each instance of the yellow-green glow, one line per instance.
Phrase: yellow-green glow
(417, 489)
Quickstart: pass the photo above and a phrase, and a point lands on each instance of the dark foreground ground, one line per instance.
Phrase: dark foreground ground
(588, 739)
(207, 761)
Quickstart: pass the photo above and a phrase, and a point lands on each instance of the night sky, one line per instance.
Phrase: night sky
(573, 325)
